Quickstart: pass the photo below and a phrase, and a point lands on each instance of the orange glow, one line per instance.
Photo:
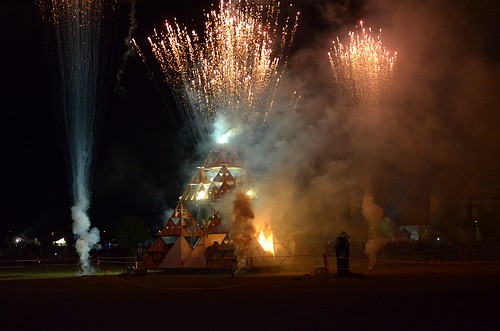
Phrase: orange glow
(267, 243)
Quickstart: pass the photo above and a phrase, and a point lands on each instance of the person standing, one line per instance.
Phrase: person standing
(342, 247)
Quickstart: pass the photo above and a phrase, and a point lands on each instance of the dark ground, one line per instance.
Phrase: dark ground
(388, 298)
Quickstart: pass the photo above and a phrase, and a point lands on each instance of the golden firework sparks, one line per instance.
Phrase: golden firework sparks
(234, 70)
(363, 69)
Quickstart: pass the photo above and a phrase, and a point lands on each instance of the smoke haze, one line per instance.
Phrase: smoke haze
(438, 125)
(242, 230)
(87, 238)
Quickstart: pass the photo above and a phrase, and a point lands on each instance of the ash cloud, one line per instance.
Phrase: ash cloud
(437, 127)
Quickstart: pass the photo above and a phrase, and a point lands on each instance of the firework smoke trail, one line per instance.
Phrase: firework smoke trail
(364, 71)
(233, 71)
(77, 28)
(119, 89)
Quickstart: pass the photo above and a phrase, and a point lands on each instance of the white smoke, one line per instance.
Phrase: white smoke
(86, 238)
(119, 89)
(373, 214)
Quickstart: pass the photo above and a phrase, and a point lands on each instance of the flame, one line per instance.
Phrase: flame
(267, 243)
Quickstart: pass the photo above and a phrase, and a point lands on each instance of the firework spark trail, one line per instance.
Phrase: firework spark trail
(77, 28)
(233, 71)
(363, 69)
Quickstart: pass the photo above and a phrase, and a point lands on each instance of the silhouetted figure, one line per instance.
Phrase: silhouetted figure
(342, 252)
(325, 262)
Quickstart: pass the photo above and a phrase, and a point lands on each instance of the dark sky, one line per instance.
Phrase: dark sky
(141, 161)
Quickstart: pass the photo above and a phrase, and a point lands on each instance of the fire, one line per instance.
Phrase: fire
(267, 243)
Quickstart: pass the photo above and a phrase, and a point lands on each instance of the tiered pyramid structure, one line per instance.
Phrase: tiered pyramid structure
(192, 236)
(221, 173)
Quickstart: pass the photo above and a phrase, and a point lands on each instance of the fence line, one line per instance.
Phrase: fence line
(280, 260)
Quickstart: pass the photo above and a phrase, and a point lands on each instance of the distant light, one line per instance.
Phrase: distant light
(438, 238)
(60, 242)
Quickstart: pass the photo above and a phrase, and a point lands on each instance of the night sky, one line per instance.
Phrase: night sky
(142, 155)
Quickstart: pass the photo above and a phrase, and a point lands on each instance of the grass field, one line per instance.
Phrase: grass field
(38, 271)
(384, 298)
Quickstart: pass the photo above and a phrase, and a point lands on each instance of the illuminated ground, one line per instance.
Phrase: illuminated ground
(397, 298)
(17, 272)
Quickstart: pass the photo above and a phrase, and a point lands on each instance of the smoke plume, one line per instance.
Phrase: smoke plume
(373, 215)
(86, 238)
(242, 229)
(119, 89)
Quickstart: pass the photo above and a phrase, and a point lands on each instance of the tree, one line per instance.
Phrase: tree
(130, 232)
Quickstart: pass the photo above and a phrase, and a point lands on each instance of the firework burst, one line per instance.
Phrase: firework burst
(233, 71)
(363, 69)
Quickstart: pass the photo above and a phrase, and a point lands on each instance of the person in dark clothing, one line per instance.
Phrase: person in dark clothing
(342, 246)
